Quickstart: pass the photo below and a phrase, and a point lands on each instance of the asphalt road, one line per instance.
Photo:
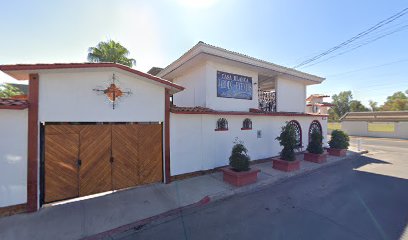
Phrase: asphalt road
(363, 198)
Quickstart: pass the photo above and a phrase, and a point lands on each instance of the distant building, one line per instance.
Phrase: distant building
(390, 124)
(315, 104)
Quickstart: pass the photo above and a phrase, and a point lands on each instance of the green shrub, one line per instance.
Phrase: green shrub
(287, 139)
(316, 142)
(239, 159)
(339, 140)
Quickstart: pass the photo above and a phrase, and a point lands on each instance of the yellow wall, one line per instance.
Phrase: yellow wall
(334, 126)
(381, 127)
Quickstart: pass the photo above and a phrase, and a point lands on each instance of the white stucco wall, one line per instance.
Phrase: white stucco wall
(196, 146)
(68, 97)
(13, 157)
(228, 104)
(291, 95)
(360, 128)
(194, 83)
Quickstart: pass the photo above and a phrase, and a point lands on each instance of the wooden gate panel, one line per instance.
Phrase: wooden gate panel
(150, 153)
(94, 153)
(125, 169)
(60, 169)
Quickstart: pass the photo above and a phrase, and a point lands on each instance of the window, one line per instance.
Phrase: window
(222, 125)
(315, 125)
(298, 132)
(246, 124)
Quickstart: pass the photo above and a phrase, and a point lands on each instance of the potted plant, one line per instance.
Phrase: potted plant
(287, 161)
(338, 143)
(315, 152)
(239, 173)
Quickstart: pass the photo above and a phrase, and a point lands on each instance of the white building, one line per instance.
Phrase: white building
(315, 104)
(389, 124)
(89, 128)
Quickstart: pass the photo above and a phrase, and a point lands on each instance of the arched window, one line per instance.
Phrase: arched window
(315, 125)
(246, 124)
(222, 124)
(298, 132)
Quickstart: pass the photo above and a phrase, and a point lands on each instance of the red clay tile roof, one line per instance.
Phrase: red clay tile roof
(191, 109)
(9, 103)
(323, 104)
(27, 67)
(317, 96)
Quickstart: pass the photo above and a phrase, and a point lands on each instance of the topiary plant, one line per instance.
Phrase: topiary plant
(339, 140)
(316, 142)
(287, 139)
(239, 159)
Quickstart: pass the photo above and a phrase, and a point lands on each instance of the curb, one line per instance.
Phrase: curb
(139, 224)
(213, 198)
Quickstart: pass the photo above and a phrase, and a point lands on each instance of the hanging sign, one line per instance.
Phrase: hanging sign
(231, 85)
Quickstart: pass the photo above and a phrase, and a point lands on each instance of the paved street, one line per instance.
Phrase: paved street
(364, 198)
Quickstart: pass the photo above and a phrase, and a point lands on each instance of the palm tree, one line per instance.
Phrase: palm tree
(110, 51)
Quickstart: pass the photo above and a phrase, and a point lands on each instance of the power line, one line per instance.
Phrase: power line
(356, 37)
(360, 45)
(366, 68)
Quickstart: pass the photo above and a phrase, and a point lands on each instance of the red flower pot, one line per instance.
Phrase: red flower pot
(337, 152)
(240, 178)
(316, 158)
(286, 166)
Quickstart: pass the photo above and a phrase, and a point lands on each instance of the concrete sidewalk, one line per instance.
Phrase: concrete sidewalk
(126, 209)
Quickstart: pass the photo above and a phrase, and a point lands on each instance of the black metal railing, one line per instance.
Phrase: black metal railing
(267, 101)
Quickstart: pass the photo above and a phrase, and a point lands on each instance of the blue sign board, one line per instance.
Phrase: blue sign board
(234, 86)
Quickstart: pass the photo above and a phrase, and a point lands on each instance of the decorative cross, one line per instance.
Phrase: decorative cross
(113, 92)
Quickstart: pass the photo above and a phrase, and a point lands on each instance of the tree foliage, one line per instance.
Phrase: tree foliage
(373, 105)
(287, 139)
(341, 104)
(339, 140)
(110, 51)
(8, 90)
(316, 143)
(239, 159)
(357, 106)
(396, 102)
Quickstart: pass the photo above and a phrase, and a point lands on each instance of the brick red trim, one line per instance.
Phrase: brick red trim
(31, 67)
(167, 136)
(32, 164)
(246, 128)
(11, 210)
(13, 107)
(220, 129)
(251, 113)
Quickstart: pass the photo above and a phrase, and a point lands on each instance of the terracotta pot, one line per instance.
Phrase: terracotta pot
(316, 158)
(337, 152)
(240, 178)
(286, 166)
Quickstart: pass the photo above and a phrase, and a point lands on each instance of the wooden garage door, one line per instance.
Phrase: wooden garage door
(125, 167)
(150, 153)
(61, 155)
(110, 156)
(95, 174)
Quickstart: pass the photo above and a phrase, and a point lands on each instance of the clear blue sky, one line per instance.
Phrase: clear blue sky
(157, 32)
